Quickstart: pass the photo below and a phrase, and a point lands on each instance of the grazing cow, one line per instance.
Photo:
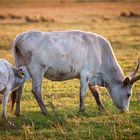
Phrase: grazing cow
(10, 80)
(60, 56)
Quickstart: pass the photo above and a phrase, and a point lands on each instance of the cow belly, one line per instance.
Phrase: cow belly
(60, 75)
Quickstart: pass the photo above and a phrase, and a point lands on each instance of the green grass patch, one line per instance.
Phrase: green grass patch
(62, 98)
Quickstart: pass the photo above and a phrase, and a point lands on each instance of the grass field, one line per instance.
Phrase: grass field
(119, 22)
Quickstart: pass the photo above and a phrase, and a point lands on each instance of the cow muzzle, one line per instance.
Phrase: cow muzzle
(124, 110)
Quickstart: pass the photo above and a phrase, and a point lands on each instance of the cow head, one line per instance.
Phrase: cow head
(122, 99)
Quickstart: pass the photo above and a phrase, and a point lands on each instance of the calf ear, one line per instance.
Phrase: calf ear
(126, 81)
(21, 73)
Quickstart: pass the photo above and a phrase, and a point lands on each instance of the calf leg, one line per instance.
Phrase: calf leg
(18, 97)
(83, 89)
(4, 104)
(95, 93)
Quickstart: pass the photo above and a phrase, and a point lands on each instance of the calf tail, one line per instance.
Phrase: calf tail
(13, 99)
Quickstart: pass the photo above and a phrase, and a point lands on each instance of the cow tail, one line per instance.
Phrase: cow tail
(19, 61)
(18, 58)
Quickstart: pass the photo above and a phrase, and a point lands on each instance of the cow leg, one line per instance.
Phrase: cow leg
(83, 89)
(4, 104)
(36, 90)
(95, 93)
(18, 97)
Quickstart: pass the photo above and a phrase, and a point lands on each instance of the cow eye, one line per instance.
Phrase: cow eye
(128, 95)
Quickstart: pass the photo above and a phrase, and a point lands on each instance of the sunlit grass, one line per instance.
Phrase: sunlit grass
(62, 98)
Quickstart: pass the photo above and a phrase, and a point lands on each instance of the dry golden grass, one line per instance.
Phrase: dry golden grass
(70, 11)
(120, 24)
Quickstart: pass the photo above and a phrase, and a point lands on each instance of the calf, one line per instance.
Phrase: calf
(10, 79)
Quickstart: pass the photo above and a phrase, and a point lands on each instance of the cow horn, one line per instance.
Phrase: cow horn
(133, 77)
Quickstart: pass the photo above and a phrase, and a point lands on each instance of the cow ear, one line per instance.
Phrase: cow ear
(126, 81)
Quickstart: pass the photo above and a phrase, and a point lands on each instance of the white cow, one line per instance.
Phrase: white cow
(10, 80)
(60, 56)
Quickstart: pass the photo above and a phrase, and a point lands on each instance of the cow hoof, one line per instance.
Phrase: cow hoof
(3, 118)
(45, 113)
(82, 112)
(18, 114)
(102, 113)
(102, 109)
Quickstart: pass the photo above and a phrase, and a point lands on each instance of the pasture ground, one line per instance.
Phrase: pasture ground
(119, 22)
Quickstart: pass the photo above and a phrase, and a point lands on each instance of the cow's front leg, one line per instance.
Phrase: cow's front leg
(36, 90)
(95, 93)
(83, 88)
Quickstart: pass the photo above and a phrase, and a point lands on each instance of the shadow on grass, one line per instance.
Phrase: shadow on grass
(40, 121)
(66, 122)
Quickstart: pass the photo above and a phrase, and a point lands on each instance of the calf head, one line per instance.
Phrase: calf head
(23, 72)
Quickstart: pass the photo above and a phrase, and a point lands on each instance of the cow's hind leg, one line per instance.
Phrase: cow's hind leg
(83, 88)
(95, 93)
(37, 76)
